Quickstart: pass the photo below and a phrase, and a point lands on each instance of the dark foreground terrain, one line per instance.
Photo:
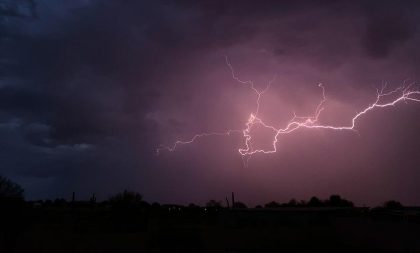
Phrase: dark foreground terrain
(101, 228)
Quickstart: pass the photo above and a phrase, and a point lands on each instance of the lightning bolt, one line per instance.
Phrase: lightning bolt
(404, 93)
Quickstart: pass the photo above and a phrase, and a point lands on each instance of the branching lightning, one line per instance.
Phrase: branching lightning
(404, 93)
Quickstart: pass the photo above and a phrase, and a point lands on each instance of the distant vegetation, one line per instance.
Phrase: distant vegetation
(392, 204)
(10, 190)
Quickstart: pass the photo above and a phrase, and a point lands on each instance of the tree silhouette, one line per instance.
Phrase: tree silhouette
(392, 204)
(9, 189)
(336, 200)
(315, 202)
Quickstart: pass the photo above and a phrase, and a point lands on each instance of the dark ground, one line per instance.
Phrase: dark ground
(85, 227)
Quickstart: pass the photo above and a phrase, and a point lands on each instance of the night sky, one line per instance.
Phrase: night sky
(89, 89)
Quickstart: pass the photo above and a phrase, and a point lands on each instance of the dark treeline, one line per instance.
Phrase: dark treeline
(125, 222)
(11, 192)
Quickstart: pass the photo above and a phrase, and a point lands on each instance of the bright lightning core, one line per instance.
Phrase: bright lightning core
(404, 93)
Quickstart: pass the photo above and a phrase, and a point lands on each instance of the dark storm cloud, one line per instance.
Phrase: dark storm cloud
(89, 88)
(75, 69)
(75, 78)
(387, 29)
(18, 8)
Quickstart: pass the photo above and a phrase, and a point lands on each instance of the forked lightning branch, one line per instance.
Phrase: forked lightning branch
(404, 93)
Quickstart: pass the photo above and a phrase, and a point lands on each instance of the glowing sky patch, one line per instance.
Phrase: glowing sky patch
(404, 93)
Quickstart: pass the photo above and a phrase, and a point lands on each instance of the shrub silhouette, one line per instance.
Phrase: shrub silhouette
(337, 201)
(126, 197)
(213, 204)
(272, 204)
(292, 203)
(239, 205)
(128, 200)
